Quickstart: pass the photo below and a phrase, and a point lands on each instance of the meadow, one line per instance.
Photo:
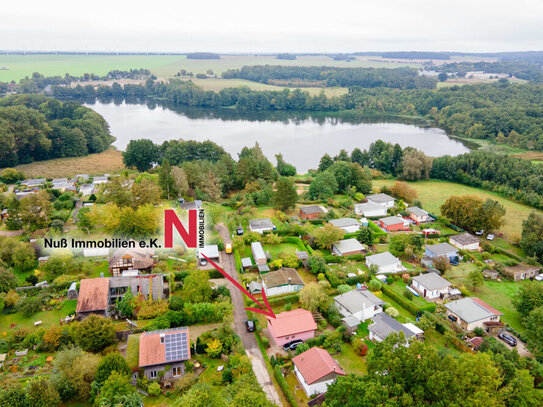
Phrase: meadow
(432, 194)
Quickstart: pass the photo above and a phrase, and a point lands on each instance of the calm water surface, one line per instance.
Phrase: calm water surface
(302, 142)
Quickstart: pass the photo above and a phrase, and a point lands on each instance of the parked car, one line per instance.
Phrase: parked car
(508, 339)
(228, 248)
(479, 232)
(453, 318)
(453, 262)
(239, 231)
(292, 345)
(490, 237)
(250, 325)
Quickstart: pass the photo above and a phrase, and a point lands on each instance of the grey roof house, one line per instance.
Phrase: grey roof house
(384, 325)
(358, 303)
(347, 247)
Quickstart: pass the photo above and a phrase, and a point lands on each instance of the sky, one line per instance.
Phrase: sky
(243, 26)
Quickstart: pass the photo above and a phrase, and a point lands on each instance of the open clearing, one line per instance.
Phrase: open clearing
(433, 193)
(109, 161)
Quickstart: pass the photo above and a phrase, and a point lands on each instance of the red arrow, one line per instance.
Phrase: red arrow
(266, 309)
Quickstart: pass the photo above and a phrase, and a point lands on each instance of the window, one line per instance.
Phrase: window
(153, 374)
(177, 371)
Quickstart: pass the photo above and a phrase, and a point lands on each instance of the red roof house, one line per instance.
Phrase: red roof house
(316, 370)
(93, 297)
(291, 325)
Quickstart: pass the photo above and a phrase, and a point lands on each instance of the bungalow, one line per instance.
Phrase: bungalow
(312, 211)
(261, 225)
(288, 326)
(465, 241)
(521, 271)
(349, 225)
(471, 313)
(102, 179)
(35, 182)
(246, 263)
(370, 210)
(385, 262)
(418, 215)
(358, 303)
(258, 253)
(383, 325)
(316, 370)
(192, 205)
(393, 223)
(348, 247)
(131, 259)
(164, 351)
(93, 297)
(431, 285)
(441, 250)
(386, 201)
(282, 281)
(86, 189)
(210, 250)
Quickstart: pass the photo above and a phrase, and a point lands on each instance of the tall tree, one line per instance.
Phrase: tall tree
(285, 195)
(166, 179)
(141, 154)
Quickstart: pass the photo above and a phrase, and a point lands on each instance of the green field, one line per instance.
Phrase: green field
(19, 66)
(433, 193)
(48, 318)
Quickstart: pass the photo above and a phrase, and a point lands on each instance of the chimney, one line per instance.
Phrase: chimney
(162, 336)
(289, 280)
(102, 274)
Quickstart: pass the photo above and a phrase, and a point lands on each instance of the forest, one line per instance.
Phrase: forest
(34, 127)
(521, 70)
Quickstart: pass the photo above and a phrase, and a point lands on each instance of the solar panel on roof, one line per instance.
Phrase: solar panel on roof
(176, 346)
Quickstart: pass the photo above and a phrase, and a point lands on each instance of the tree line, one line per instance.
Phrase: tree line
(34, 127)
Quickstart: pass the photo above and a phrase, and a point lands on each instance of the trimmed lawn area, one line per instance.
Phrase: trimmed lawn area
(132, 351)
(405, 315)
(48, 318)
(350, 362)
(399, 286)
(433, 193)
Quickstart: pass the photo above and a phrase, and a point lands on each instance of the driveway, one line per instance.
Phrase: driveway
(521, 346)
(248, 339)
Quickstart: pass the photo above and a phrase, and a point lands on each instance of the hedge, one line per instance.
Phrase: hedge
(295, 240)
(355, 280)
(284, 386)
(237, 260)
(290, 299)
(316, 221)
(407, 304)
(377, 231)
(332, 278)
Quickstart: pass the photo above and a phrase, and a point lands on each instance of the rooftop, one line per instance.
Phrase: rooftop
(348, 245)
(432, 281)
(93, 295)
(280, 277)
(261, 223)
(471, 309)
(464, 238)
(380, 198)
(383, 325)
(316, 363)
(292, 322)
(368, 206)
(415, 210)
(383, 259)
(344, 222)
(312, 209)
(246, 262)
(356, 300)
(164, 346)
(442, 249)
(392, 220)
(211, 251)
(142, 257)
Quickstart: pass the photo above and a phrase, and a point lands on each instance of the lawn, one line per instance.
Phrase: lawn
(405, 315)
(48, 318)
(107, 162)
(433, 193)
(350, 362)
(296, 388)
(132, 351)
(399, 286)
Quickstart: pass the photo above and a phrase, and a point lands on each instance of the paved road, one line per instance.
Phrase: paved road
(248, 339)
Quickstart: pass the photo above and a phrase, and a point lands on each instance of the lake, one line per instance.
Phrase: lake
(302, 141)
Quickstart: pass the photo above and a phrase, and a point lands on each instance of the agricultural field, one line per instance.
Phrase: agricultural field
(109, 161)
(433, 193)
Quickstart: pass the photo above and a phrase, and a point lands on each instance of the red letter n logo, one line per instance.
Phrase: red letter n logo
(171, 220)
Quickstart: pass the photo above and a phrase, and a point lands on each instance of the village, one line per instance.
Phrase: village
(339, 278)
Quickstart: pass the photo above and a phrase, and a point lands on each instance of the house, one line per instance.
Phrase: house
(302, 256)
(476, 342)
(36, 182)
(263, 268)
(430, 233)
(258, 253)
(465, 241)
(87, 189)
(282, 281)
(192, 205)
(348, 247)
(246, 263)
(255, 287)
(383, 325)
(358, 303)
(441, 250)
(261, 225)
(210, 250)
(291, 325)
(386, 201)
(370, 210)
(97, 252)
(312, 211)
(418, 215)
(316, 370)
(151, 286)
(472, 312)
(102, 179)
(93, 297)
(393, 223)
(349, 225)
(521, 271)
(83, 177)
(431, 285)
(131, 259)
(165, 351)
(385, 262)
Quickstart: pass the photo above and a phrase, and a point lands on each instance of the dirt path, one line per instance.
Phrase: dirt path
(248, 339)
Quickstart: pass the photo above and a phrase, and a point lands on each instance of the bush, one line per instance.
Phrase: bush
(375, 285)
(479, 331)
(154, 389)
(284, 386)
(408, 294)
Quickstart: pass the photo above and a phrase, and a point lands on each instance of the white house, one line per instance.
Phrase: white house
(316, 370)
(418, 215)
(258, 253)
(347, 247)
(211, 251)
(386, 201)
(385, 262)
(370, 210)
(384, 325)
(431, 285)
(472, 312)
(349, 225)
(282, 281)
(261, 225)
(86, 189)
(361, 304)
(465, 241)
(101, 179)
